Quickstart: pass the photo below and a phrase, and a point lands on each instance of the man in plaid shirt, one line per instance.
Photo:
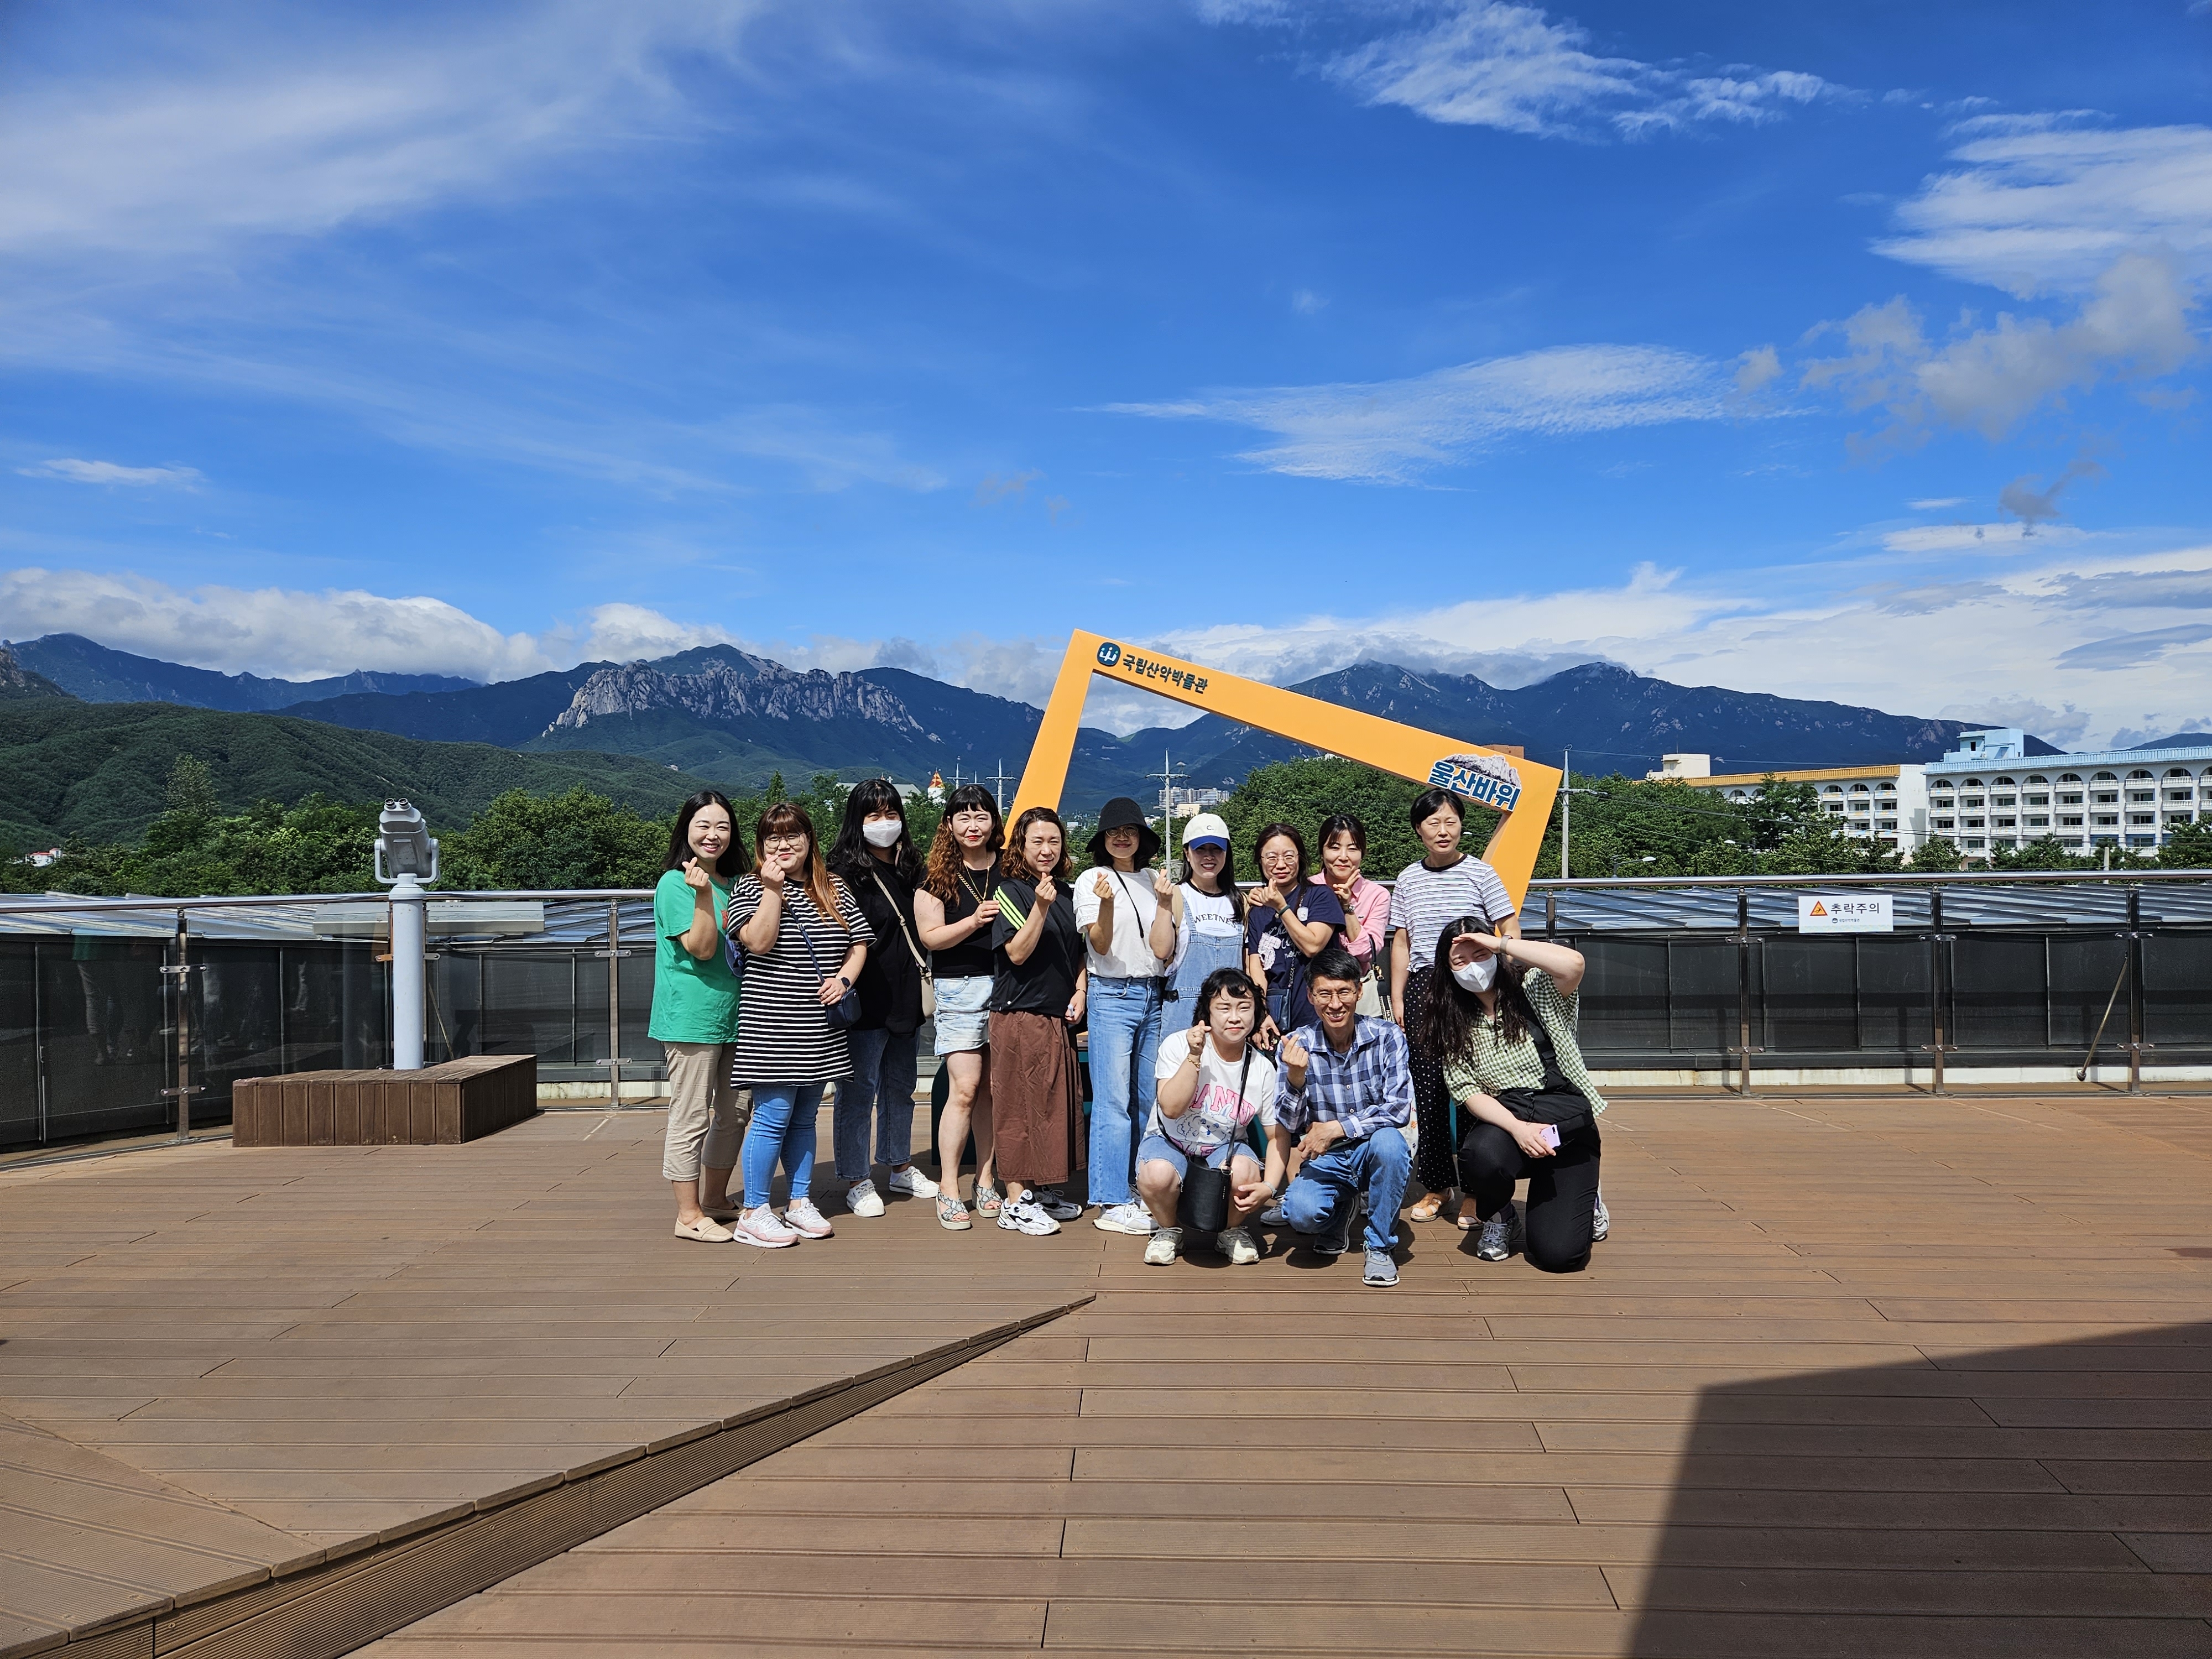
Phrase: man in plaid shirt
(1347, 1096)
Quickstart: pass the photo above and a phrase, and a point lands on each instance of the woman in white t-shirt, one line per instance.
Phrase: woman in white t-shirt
(1212, 1085)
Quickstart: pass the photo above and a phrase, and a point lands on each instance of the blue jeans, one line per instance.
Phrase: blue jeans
(782, 1128)
(1326, 1190)
(1125, 1042)
(881, 1088)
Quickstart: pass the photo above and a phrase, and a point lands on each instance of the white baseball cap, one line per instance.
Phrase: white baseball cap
(1206, 830)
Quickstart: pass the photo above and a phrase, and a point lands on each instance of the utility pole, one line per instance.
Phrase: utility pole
(1166, 774)
(999, 778)
(1567, 808)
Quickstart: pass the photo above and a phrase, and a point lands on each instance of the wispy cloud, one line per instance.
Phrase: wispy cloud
(1490, 63)
(1398, 431)
(189, 136)
(2043, 204)
(2134, 326)
(114, 473)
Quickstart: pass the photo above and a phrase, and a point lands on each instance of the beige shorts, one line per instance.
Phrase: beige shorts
(705, 1116)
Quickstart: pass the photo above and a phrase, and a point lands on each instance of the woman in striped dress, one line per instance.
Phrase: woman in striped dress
(803, 940)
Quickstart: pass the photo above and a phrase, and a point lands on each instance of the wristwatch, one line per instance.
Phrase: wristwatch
(842, 980)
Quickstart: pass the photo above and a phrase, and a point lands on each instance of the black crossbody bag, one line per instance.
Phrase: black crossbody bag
(1204, 1206)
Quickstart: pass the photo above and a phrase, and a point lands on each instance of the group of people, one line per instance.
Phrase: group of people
(1237, 1030)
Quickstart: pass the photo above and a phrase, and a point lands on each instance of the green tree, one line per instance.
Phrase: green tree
(1780, 810)
(1935, 856)
(191, 788)
(2188, 847)
(579, 839)
(2045, 852)
(1305, 792)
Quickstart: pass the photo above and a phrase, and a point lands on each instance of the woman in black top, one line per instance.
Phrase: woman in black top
(879, 864)
(1036, 1002)
(953, 910)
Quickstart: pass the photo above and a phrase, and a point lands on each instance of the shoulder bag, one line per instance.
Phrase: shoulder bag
(1203, 1204)
(920, 961)
(846, 1011)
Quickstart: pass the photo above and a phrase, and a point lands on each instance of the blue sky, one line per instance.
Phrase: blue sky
(1850, 352)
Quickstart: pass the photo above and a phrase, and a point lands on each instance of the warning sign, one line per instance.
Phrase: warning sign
(1845, 913)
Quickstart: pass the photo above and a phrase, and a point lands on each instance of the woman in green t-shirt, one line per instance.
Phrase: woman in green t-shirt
(694, 1014)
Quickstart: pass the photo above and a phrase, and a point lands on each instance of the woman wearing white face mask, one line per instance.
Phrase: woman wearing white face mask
(1501, 1018)
(880, 866)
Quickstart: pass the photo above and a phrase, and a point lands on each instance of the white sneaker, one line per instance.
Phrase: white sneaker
(1601, 1222)
(862, 1198)
(1236, 1244)
(1020, 1215)
(912, 1182)
(764, 1228)
(807, 1219)
(1059, 1208)
(1160, 1249)
(1134, 1220)
(1501, 1234)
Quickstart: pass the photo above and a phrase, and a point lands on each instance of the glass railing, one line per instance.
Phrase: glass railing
(137, 1015)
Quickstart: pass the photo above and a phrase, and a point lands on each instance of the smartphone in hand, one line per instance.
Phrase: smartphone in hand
(1552, 1136)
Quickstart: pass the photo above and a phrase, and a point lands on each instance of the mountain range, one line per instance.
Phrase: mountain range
(719, 712)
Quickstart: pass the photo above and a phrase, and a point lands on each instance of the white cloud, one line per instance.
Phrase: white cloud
(1396, 431)
(2042, 206)
(1936, 503)
(230, 124)
(112, 472)
(1485, 63)
(2134, 326)
(273, 631)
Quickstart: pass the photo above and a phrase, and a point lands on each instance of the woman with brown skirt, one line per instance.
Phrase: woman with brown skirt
(1037, 1001)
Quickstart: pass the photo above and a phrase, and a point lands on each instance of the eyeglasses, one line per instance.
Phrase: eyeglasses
(785, 841)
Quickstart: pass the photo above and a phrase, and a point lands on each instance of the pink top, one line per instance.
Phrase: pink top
(1369, 924)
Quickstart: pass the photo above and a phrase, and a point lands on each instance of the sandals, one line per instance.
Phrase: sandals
(1428, 1209)
(987, 1199)
(952, 1213)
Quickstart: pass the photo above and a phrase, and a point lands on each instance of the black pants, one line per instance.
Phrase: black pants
(1432, 1158)
(1562, 1189)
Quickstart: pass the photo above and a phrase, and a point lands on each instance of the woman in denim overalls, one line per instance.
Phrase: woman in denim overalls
(1204, 923)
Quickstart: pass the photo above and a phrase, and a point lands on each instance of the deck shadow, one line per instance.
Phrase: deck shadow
(2047, 1499)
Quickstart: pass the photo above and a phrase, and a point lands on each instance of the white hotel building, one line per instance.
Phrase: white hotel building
(1988, 793)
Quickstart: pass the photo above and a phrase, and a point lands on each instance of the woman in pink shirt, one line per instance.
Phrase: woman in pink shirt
(1366, 903)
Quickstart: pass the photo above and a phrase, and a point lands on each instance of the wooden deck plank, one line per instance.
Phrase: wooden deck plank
(1933, 1399)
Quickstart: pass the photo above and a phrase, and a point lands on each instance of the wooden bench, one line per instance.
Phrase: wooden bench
(440, 1105)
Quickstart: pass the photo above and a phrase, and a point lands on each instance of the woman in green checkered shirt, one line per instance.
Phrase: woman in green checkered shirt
(1502, 1020)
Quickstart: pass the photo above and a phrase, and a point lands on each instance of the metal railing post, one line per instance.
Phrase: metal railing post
(1743, 986)
(1936, 939)
(179, 973)
(614, 953)
(2136, 1043)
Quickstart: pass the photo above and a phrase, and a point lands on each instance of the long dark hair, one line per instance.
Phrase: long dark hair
(1230, 890)
(946, 861)
(852, 857)
(1448, 1028)
(732, 864)
(1343, 823)
(1016, 866)
(1269, 832)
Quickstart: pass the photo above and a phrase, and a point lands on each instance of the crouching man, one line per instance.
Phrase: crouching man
(1347, 1096)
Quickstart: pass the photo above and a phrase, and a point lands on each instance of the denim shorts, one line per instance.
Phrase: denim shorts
(1160, 1149)
(964, 1014)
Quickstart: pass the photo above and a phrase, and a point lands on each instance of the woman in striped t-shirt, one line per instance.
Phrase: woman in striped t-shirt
(1444, 886)
(803, 939)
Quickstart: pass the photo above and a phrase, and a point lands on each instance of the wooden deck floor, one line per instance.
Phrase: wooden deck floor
(1852, 1377)
(224, 1366)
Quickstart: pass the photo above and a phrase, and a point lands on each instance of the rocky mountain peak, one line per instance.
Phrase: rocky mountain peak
(732, 687)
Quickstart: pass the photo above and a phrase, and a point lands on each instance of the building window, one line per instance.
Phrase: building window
(2070, 818)
(2004, 800)
(2107, 777)
(2007, 823)
(2038, 800)
(2070, 777)
(2141, 797)
(2034, 782)
(1946, 824)
(2105, 819)
(1973, 841)
(2143, 841)
(2069, 800)
(2107, 797)
(1973, 824)
(2142, 817)
(1889, 824)
(2039, 823)
(2179, 794)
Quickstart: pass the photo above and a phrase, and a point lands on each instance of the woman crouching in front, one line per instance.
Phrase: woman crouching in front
(803, 940)
(1213, 1084)
(1501, 1020)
